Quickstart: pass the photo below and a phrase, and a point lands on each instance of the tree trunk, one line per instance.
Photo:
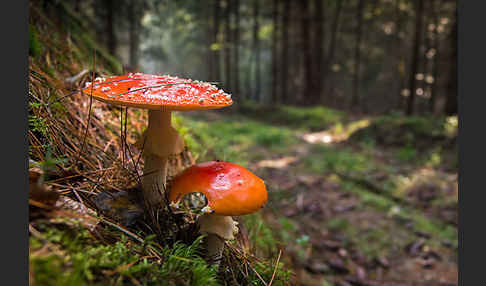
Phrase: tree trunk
(307, 52)
(134, 31)
(415, 57)
(332, 48)
(319, 49)
(451, 100)
(436, 61)
(357, 55)
(216, 55)
(110, 26)
(256, 48)
(428, 19)
(227, 47)
(236, 54)
(400, 83)
(274, 51)
(77, 5)
(285, 52)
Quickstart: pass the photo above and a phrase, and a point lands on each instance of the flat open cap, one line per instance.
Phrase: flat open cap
(158, 92)
(230, 189)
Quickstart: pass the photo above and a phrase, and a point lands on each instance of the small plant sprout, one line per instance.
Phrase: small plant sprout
(230, 190)
(160, 95)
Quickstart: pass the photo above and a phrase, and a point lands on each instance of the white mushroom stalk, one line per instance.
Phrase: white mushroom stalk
(160, 141)
(217, 229)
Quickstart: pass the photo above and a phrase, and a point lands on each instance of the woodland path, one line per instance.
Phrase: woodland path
(348, 212)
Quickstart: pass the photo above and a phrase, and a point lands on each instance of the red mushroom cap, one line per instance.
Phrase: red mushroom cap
(158, 92)
(229, 188)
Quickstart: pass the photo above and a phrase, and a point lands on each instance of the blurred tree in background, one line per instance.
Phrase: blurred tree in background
(369, 56)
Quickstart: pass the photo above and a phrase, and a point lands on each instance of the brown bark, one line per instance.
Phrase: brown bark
(332, 46)
(110, 26)
(256, 48)
(426, 46)
(134, 29)
(274, 51)
(307, 52)
(227, 47)
(319, 50)
(400, 83)
(236, 54)
(357, 54)
(451, 99)
(285, 52)
(415, 57)
(436, 61)
(216, 55)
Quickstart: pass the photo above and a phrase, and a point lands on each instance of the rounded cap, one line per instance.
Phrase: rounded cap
(158, 92)
(230, 189)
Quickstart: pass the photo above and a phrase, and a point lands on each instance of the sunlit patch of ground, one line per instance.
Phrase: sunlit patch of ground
(277, 163)
(336, 134)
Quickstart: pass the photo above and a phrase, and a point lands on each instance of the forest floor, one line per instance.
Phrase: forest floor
(364, 201)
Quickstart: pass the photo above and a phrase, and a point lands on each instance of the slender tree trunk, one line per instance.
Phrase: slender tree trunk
(436, 61)
(134, 31)
(307, 52)
(216, 55)
(451, 100)
(367, 29)
(332, 47)
(428, 19)
(274, 51)
(227, 47)
(399, 59)
(415, 57)
(256, 48)
(390, 57)
(357, 54)
(249, 77)
(285, 52)
(77, 5)
(110, 26)
(207, 18)
(319, 49)
(236, 54)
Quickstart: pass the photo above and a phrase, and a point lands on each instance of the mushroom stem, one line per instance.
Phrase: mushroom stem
(218, 229)
(154, 179)
(214, 246)
(160, 140)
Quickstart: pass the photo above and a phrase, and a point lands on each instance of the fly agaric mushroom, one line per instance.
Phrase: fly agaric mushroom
(160, 94)
(230, 190)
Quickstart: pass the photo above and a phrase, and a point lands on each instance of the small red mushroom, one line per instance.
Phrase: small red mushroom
(230, 189)
(160, 94)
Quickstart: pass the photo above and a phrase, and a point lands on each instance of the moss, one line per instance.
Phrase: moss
(261, 234)
(79, 260)
(418, 131)
(436, 228)
(311, 118)
(335, 224)
(38, 124)
(375, 242)
(329, 159)
(89, 45)
(282, 275)
(35, 46)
